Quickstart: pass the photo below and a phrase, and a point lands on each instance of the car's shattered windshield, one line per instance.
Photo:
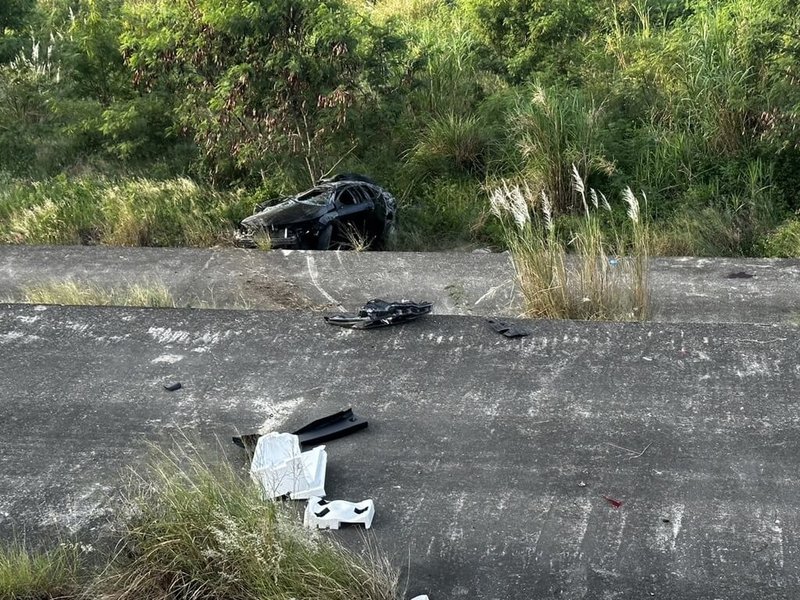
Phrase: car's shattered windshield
(316, 197)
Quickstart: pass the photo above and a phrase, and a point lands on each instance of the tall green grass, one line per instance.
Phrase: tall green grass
(133, 212)
(31, 575)
(451, 143)
(556, 129)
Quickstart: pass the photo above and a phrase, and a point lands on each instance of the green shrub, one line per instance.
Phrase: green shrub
(449, 144)
(444, 214)
(784, 242)
(532, 37)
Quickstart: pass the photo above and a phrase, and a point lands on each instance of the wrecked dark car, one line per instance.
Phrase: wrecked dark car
(346, 212)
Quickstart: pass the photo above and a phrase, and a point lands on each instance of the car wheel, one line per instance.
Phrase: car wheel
(388, 237)
(324, 238)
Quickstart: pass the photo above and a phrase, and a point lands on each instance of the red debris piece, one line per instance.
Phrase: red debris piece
(612, 501)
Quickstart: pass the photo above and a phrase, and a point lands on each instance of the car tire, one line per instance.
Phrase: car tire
(324, 238)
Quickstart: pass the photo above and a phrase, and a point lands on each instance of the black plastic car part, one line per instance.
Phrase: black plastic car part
(380, 313)
(507, 329)
(331, 427)
(317, 432)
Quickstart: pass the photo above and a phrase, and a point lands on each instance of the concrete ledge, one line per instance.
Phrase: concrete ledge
(683, 289)
(488, 458)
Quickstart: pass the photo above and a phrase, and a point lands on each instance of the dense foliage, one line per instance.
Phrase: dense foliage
(693, 102)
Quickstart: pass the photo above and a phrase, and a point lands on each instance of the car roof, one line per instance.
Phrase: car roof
(335, 185)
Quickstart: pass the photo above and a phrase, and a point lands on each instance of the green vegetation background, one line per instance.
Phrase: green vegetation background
(162, 122)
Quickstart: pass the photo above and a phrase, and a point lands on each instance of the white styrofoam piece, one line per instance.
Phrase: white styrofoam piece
(280, 467)
(325, 514)
(422, 597)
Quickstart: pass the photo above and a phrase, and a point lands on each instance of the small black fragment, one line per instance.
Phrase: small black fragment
(665, 520)
(739, 275)
(247, 441)
(507, 329)
(171, 387)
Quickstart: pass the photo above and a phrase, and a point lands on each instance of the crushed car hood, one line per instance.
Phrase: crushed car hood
(285, 214)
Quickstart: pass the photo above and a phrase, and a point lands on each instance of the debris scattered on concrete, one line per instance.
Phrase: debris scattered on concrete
(422, 597)
(331, 427)
(507, 329)
(328, 428)
(171, 387)
(739, 275)
(380, 313)
(281, 469)
(330, 514)
(612, 501)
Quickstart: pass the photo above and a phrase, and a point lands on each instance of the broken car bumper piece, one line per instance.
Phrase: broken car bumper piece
(282, 469)
(331, 427)
(380, 313)
(322, 430)
(324, 514)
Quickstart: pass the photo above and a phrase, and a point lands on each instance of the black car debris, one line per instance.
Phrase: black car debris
(348, 211)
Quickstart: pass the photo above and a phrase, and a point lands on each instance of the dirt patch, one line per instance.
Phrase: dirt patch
(270, 294)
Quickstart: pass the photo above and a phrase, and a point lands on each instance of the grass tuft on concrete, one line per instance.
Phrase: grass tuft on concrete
(594, 276)
(75, 294)
(202, 532)
(27, 575)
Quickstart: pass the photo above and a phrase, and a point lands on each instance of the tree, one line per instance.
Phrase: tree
(527, 37)
(260, 82)
(14, 14)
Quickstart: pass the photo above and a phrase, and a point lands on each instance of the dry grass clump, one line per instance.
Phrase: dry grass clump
(190, 530)
(202, 532)
(355, 239)
(602, 279)
(76, 294)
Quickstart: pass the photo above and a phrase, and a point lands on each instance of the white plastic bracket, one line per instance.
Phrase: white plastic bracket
(324, 514)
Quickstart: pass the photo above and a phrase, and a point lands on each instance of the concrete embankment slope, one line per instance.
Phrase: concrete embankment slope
(682, 289)
(488, 458)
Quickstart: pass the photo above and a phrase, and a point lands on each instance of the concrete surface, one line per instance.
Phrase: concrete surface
(458, 283)
(683, 289)
(487, 458)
